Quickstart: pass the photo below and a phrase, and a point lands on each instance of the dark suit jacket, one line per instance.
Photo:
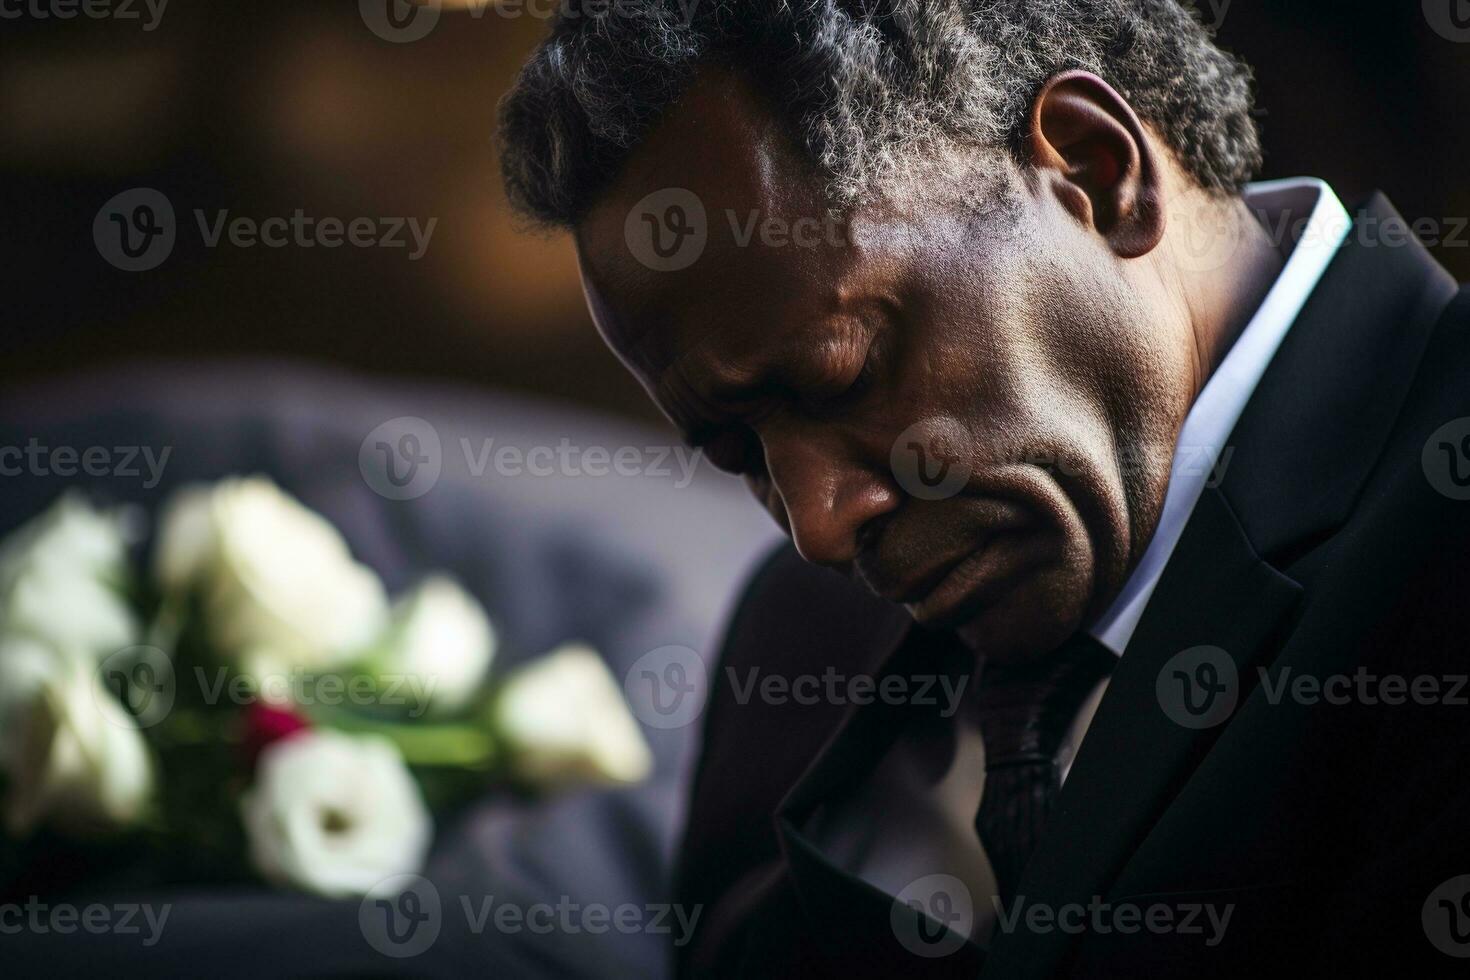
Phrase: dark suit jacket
(1326, 550)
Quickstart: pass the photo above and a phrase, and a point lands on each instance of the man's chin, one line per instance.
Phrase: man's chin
(1034, 617)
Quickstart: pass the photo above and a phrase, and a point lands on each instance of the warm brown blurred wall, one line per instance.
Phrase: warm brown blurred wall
(263, 110)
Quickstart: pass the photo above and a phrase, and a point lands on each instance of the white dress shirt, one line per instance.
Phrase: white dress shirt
(1201, 454)
(903, 823)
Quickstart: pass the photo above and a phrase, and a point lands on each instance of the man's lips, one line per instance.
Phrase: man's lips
(917, 587)
(954, 590)
(965, 532)
(966, 587)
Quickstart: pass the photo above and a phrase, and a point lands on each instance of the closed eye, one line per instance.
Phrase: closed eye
(848, 389)
(734, 448)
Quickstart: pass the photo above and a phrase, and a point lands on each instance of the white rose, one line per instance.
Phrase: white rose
(59, 579)
(441, 636)
(279, 583)
(25, 664)
(564, 718)
(186, 539)
(334, 814)
(71, 532)
(75, 757)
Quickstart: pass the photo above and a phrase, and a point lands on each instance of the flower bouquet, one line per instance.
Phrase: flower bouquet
(250, 702)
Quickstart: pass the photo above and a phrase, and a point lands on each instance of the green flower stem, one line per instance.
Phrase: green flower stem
(457, 745)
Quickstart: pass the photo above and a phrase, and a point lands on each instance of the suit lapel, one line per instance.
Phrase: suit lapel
(1317, 423)
(860, 929)
(1217, 595)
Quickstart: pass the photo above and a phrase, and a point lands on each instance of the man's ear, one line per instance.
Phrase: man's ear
(1105, 172)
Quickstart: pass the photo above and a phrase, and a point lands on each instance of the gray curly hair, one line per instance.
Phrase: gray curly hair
(875, 91)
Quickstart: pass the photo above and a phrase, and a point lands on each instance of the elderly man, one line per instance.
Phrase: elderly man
(1103, 440)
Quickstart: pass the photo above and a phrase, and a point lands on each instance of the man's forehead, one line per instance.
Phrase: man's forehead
(707, 339)
(679, 225)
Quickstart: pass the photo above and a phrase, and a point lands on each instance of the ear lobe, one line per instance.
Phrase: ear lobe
(1105, 172)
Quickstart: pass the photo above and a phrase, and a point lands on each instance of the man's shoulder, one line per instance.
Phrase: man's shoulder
(795, 621)
(767, 716)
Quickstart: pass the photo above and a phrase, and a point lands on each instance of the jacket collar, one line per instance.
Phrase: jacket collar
(1317, 423)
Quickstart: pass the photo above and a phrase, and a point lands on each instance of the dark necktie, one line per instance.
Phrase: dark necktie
(1025, 711)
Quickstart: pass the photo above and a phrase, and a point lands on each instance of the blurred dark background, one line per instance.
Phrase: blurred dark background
(264, 109)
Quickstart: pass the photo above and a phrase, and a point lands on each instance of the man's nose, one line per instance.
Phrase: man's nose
(829, 492)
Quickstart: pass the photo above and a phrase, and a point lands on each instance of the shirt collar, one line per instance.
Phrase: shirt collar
(1201, 453)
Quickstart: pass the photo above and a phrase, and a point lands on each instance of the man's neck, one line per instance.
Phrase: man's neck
(1222, 300)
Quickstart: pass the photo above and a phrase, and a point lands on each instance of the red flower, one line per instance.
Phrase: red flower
(265, 724)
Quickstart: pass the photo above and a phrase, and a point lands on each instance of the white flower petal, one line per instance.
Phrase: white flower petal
(334, 814)
(59, 576)
(274, 575)
(441, 637)
(565, 719)
(78, 760)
